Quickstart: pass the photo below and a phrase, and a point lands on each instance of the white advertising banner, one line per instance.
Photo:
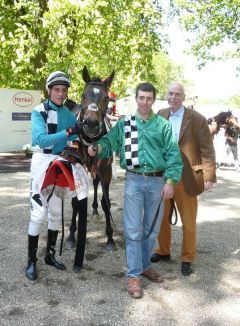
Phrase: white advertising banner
(15, 117)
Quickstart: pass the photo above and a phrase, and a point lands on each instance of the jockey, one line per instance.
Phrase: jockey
(53, 125)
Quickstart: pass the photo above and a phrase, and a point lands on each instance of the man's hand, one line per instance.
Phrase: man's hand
(167, 191)
(74, 130)
(92, 150)
(207, 185)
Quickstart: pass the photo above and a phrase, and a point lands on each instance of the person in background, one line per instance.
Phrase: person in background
(111, 113)
(231, 136)
(52, 126)
(199, 167)
(150, 155)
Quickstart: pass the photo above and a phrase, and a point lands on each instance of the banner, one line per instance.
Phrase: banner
(15, 117)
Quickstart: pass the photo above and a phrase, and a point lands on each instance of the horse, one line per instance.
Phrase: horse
(220, 120)
(91, 115)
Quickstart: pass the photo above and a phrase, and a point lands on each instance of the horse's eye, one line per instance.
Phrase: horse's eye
(83, 97)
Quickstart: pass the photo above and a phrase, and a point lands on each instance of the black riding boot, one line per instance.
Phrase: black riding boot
(50, 252)
(31, 271)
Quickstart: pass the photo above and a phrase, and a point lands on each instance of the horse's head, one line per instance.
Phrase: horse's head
(224, 117)
(94, 103)
(220, 120)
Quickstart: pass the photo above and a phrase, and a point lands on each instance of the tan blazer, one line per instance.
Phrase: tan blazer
(196, 145)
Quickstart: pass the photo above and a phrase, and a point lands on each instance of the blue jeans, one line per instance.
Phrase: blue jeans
(141, 199)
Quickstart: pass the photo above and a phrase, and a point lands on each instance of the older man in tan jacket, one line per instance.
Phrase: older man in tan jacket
(199, 167)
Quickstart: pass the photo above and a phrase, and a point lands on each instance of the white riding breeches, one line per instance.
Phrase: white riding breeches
(40, 208)
(47, 202)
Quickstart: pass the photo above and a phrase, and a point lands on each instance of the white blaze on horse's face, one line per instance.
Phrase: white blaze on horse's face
(96, 90)
(93, 107)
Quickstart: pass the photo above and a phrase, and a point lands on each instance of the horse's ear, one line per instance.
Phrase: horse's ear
(109, 79)
(85, 75)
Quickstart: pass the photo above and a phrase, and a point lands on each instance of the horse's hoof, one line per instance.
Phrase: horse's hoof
(111, 246)
(77, 269)
(69, 244)
(95, 215)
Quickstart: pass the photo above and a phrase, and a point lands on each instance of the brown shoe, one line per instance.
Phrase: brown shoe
(152, 275)
(134, 288)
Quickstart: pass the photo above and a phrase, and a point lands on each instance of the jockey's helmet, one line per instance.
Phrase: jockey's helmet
(57, 78)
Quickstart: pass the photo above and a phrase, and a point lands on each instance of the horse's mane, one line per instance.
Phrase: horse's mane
(70, 104)
(220, 118)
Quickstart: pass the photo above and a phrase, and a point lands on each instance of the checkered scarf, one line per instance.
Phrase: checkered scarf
(51, 120)
(131, 142)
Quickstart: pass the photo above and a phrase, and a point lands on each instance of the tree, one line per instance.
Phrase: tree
(164, 72)
(235, 101)
(214, 23)
(41, 36)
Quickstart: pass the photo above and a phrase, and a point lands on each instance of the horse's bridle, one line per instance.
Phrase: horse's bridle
(94, 108)
(99, 84)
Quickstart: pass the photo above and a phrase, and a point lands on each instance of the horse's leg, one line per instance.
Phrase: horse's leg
(95, 202)
(81, 235)
(71, 240)
(106, 208)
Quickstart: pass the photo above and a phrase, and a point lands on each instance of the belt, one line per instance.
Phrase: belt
(49, 151)
(149, 174)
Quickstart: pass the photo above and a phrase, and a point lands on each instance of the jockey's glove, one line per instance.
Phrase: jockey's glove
(76, 129)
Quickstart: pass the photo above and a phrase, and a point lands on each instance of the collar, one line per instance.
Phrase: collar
(54, 106)
(150, 115)
(178, 113)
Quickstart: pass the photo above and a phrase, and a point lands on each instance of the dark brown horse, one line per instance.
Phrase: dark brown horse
(91, 115)
(220, 120)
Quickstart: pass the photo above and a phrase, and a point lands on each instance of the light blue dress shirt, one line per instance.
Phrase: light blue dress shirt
(176, 120)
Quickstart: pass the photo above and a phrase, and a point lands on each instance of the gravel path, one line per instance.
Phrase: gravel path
(97, 296)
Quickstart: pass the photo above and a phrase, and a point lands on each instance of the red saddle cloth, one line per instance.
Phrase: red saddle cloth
(59, 174)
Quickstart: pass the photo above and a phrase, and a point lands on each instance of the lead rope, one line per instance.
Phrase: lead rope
(109, 211)
(61, 246)
(173, 209)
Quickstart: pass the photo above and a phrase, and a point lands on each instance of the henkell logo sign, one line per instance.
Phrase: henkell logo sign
(23, 99)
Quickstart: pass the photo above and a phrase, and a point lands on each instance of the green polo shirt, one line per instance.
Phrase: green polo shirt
(157, 148)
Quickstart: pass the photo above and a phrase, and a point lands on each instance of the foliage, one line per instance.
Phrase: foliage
(39, 37)
(214, 22)
(235, 101)
(27, 148)
(165, 72)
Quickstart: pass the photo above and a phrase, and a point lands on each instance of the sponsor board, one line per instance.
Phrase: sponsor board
(15, 117)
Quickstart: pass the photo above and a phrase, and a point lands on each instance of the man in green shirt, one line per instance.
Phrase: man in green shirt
(150, 154)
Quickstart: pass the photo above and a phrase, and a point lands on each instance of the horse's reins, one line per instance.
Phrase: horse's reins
(110, 214)
(84, 142)
(173, 210)
(154, 219)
